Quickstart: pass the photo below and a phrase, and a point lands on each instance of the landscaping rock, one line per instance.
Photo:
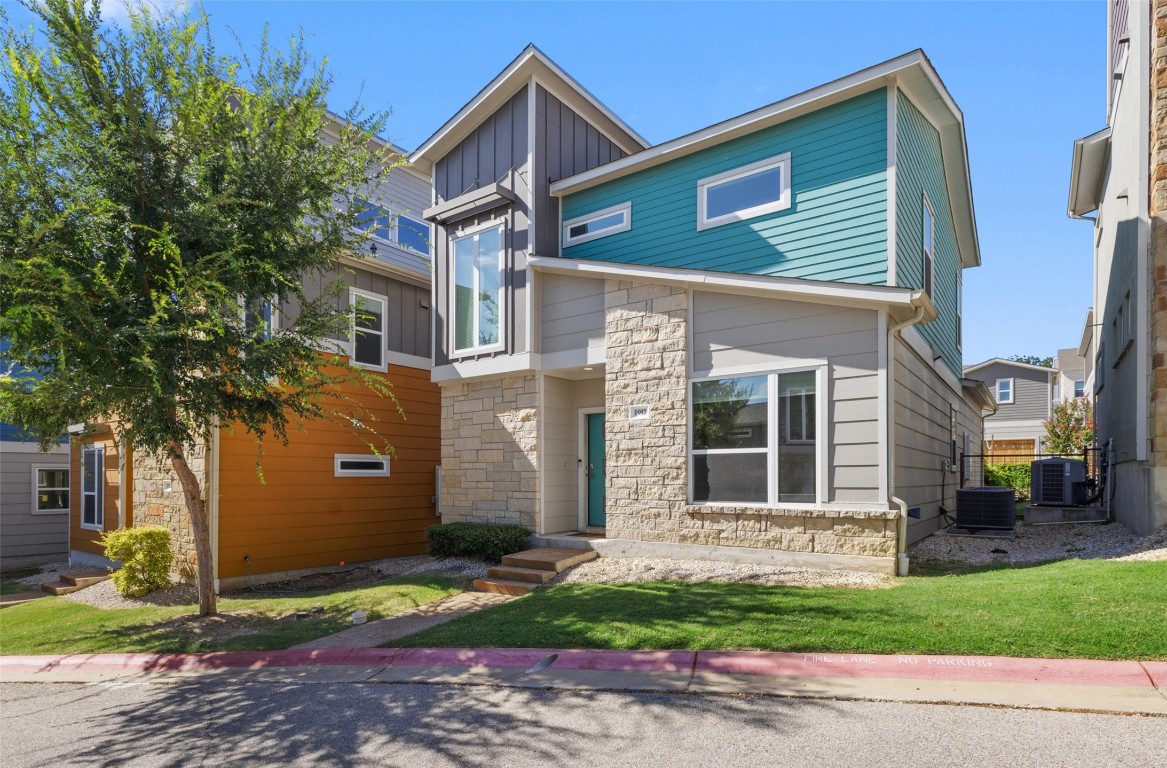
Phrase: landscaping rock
(1041, 543)
(625, 570)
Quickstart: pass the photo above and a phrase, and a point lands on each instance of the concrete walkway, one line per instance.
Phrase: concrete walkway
(1121, 687)
(382, 631)
(16, 598)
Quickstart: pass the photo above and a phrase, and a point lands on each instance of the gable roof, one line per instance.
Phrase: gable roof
(1002, 361)
(532, 62)
(914, 74)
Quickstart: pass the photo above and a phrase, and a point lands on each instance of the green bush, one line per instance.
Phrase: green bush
(145, 557)
(1015, 476)
(485, 541)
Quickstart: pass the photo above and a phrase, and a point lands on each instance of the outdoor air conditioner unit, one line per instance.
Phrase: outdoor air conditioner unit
(1051, 481)
(986, 507)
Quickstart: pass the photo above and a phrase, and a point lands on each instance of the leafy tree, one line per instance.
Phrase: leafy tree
(1044, 362)
(149, 184)
(1070, 427)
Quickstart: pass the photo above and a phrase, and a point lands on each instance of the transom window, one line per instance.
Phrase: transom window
(929, 247)
(755, 439)
(413, 234)
(1004, 390)
(93, 487)
(360, 465)
(478, 272)
(744, 193)
(609, 221)
(50, 489)
(368, 329)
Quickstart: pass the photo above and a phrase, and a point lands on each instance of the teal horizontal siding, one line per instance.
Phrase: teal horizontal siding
(920, 171)
(835, 228)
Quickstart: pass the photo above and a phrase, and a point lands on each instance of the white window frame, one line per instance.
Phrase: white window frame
(98, 492)
(997, 391)
(805, 423)
(1079, 391)
(928, 247)
(353, 293)
(397, 217)
(36, 489)
(339, 458)
(624, 208)
(781, 204)
(273, 316)
(959, 311)
(822, 446)
(390, 225)
(498, 346)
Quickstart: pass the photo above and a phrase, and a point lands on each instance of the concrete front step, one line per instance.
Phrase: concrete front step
(504, 586)
(555, 559)
(84, 578)
(510, 573)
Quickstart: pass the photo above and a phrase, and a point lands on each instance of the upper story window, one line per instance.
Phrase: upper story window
(478, 282)
(413, 234)
(1079, 388)
(1004, 391)
(609, 221)
(374, 219)
(50, 490)
(959, 312)
(929, 247)
(743, 193)
(368, 329)
(260, 318)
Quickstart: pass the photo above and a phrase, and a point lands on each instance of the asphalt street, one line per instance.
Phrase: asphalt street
(210, 722)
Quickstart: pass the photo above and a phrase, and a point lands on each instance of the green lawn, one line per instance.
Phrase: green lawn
(9, 584)
(259, 622)
(1070, 609)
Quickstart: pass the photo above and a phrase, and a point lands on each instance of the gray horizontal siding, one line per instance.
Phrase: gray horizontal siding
(23, 534)
(1031, 392)
(572, 312)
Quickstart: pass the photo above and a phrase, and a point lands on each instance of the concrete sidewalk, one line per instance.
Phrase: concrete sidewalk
(1127, 687)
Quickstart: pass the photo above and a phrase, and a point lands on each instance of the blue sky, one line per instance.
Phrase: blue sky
(1030, 78)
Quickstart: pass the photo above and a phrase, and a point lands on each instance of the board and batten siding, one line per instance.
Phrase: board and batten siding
(923, 434)
(300, 515)
(26, 536)
(572, 312)
(559, 445)
(484, 157)
(835, 228)
(1031, 392)
(730, 331)
(920, 171)
(565, 144)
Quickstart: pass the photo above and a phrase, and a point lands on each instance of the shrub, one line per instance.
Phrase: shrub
(145, 557)
(1015, 476)
(1070, 427)
(485, 541)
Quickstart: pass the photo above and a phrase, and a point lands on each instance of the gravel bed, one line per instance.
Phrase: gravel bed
(1040, 543)
(49, 572)
(630, 570)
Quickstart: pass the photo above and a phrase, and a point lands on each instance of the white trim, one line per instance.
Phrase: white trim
(581, 465)
(997, 391)
(98, 492)
(340, 458)
(1002, 361)
(892, 162)
(397, 217)
(452, 297)
(624, 147)
(573, 358)
(781, 162)
(408, 361)
(397, 272)
(883, 430)
(625, 208)
(36, 488)
(529, 275)
(817, 291)
(490, 366)
(928, 246)
(384, 332)
(768, 366)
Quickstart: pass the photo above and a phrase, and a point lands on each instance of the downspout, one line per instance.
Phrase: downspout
(902, 528)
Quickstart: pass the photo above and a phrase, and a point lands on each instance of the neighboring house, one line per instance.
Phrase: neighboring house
(325, 498)
(1070, 381)
(34, 494)
(1015, 434)
(743, 343)
(1120, 173)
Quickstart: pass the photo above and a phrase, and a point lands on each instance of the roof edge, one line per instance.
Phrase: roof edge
(1001, 360)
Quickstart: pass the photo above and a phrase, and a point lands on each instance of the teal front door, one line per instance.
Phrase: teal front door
(595, 469)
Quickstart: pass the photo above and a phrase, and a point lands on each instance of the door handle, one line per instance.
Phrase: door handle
(591, 468)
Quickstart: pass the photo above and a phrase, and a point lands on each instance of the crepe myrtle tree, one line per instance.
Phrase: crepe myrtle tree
(151, 188)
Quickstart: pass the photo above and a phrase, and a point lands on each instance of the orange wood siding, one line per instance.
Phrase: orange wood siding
(302, 516)
(86, 539)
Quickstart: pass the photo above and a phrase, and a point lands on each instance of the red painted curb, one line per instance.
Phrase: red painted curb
(981, 669)
(1157, 671)
(180, 662)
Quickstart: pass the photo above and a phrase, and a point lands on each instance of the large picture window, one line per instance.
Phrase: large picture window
(478, 284)
(755, 439)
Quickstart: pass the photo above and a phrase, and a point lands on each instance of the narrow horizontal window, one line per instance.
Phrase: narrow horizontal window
(359, 465)
(744, 193)
(413, 234)
(609, 221)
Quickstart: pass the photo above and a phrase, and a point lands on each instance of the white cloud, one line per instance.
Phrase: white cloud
(119, 10)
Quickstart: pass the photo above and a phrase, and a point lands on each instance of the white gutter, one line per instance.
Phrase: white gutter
(902, 528)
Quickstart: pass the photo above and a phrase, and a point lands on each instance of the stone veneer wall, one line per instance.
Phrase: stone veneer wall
(489, 450)
(155, 505)
(647, 462)
(1158, 257)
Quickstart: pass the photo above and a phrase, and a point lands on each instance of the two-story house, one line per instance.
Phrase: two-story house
(1119, 174)
(743, 343)
(325, 498)
(1024, 393)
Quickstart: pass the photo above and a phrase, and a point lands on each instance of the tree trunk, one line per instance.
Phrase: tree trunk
(197, 509)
